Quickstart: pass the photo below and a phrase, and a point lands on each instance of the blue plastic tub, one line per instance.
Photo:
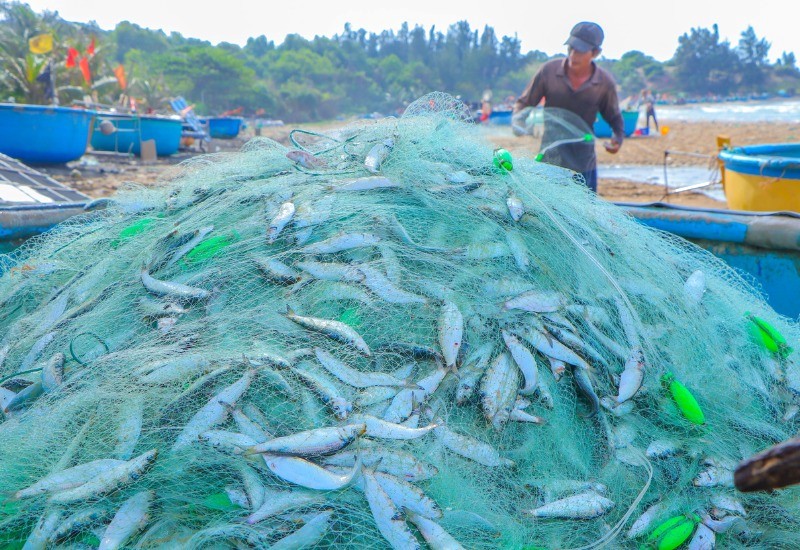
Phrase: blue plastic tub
(224, 127)
(131, 130)
(603, 130)
(41, 134)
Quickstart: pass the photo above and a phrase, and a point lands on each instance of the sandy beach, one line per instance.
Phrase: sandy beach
(103, 175)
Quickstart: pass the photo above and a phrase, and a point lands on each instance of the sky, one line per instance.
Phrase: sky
(652, 27)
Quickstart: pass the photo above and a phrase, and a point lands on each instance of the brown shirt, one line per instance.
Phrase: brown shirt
(598, 94)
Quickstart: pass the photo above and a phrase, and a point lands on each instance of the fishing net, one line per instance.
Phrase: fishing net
(384, 270)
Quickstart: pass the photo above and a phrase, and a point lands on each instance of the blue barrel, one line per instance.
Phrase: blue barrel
(224, 127)
(41, 134)
(130, 130)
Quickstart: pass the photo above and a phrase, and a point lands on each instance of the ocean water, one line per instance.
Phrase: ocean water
(774, 110)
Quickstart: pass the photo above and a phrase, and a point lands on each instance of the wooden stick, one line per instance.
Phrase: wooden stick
(776, 467)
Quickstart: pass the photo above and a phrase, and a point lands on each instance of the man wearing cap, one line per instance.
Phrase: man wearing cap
(578, 85)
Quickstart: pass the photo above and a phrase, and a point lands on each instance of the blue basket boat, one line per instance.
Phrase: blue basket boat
(763, 177)
(226, 127)
(42, 134)
(128, 131)
(603, 130)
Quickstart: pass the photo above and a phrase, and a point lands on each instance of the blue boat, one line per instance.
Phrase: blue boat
(124, 133)
(765, 247)
(42, 134)
(501, 116)
(226, 127)
(603, 130)
(32, 202)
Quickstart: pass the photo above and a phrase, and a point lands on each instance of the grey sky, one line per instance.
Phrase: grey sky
(652, 27)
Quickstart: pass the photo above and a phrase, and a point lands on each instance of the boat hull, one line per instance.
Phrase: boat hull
(765, 248)
(41, 134)
(762, 178)
(130, 131)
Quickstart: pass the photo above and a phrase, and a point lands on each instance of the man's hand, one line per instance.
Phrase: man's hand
(612, 146)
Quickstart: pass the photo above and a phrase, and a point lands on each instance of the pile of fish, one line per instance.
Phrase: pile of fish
(379, 339)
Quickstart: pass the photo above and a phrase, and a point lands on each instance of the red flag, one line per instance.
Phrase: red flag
(72, 56)
(90, 49)
(119, 72)
(84, 65)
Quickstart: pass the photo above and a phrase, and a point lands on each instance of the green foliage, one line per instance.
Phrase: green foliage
(704, 64)
(354, 72)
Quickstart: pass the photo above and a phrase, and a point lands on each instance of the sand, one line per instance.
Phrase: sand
(106, 173)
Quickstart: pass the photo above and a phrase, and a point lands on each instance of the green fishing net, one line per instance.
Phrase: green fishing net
(501, 305)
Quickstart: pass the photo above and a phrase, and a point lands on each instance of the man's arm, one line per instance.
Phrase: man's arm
(532, 94)
(610, 111)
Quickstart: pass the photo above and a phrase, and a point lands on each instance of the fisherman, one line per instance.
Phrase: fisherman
(578, 85)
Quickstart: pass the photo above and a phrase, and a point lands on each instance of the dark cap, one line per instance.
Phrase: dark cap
(585, 36)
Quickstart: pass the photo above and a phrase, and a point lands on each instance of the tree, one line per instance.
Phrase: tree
(753, 53)
(705, 65)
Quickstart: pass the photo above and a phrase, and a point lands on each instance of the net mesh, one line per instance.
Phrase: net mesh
(444, 240)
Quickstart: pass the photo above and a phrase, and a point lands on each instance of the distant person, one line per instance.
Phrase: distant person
(649, 102)
(578, 85)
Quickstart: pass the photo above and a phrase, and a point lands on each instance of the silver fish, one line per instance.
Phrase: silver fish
(339, 404)
(536, 301)
(469, 447)
(645, 521)
(377, 427)
(308, 535)
(399, 463)
(171, 289)
(129, 428)
(434, 534)
(132, 517)
(281, 219)
(354, 377)
(388, 518)
(524, 359)
(550, 347)
(515, 207)
(109, 480)
(68, 478)
(499, 390)
(379, 284)
(301, 472)
(278, 502)
(451, 332)
(43, 531)
(331, 271)
(277, 271)
(340, 243)
(320, 441)
(198, 236)
(704, 539)
(471, 371)
(377, 155)
(365, 184)
(695, 287)
(215, 411)
(587, 505)
(407, 496)
(631, 378)
(333, 329)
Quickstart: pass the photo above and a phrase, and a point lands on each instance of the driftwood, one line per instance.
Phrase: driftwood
(778, 466)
